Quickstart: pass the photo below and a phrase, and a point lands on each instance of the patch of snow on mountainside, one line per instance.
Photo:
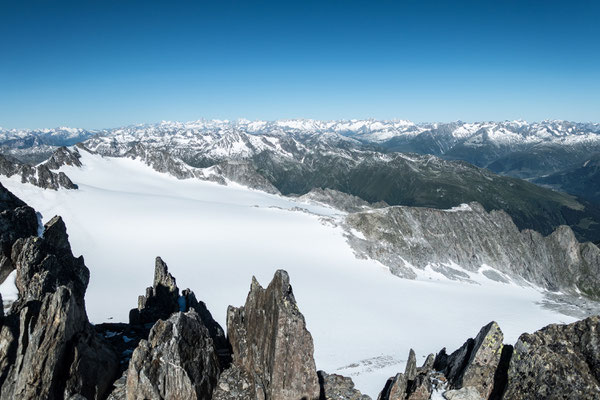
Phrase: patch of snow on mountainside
(214, 238)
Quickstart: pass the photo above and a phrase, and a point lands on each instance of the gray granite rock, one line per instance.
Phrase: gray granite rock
(179, 361)
(271, 346)
(161, 299)
(48, 349)
(17, 220)
(415, 383)
(557, 362)
(63, 156)
(337, 387)
(466, 393)
(39, 175)
(469, 237)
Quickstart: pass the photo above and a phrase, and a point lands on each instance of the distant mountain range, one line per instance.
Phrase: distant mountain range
(499, 145)
(374, 160)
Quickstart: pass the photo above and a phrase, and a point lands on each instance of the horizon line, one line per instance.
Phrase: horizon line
(242, 119)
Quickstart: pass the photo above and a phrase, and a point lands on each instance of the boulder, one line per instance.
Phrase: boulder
(466, 393)
(415, 383)
(337, 387)
(557, 362)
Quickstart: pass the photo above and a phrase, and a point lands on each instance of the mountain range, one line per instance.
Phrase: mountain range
(367, 159)
(228, 199)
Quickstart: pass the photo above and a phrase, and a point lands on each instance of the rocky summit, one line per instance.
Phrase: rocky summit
(172, 348)
(283, 368)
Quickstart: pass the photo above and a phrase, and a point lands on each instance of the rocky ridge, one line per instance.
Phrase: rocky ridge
(469, 238)
(42, 175)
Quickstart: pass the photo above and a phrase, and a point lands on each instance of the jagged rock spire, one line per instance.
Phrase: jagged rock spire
(48, 348)
(272, 350)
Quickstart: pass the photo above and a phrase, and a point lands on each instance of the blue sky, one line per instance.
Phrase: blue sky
(106, 63)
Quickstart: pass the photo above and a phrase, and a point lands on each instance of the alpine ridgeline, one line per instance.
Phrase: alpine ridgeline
(367, 159)
(467, 239)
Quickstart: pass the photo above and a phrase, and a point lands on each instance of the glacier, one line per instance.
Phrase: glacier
(216, 237)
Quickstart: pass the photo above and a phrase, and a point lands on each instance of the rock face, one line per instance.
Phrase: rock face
(471, 237)
(179, 361)
(39, 175)
(466, 393)
(415, 383)
(17, 220)
(162, 299)
(475, 363)
(63, 156)
(340, 200)
(244, 173)
(272, 350)
(48, 349)
(557, 362)
(337, 387)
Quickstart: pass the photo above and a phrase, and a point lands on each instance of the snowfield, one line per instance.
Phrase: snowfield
(214, 238)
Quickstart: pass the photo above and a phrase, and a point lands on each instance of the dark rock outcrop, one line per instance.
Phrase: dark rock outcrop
(48, 349)
(395, 388)
(17, 220)
(337, 387)
(475, 363)
(162, 299)
(557, 362)
(415, 383)
(272, 349)
(179, 361)
(63, 156)
(39, 175)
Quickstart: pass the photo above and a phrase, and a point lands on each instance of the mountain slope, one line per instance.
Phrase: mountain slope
(468, 238)
(583, 180)
(427, 181)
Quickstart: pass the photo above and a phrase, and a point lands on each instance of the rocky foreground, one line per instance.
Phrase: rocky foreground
(172, 348)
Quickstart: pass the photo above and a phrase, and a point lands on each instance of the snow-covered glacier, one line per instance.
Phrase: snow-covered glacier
(216, 237)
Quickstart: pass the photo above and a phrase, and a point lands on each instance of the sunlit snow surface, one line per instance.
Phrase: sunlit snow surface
(214, 238)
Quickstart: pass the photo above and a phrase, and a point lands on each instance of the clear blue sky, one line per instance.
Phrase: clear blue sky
(106, 63)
